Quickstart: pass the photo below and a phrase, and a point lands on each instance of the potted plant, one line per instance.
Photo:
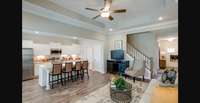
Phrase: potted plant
(120, 84)
(169, 77)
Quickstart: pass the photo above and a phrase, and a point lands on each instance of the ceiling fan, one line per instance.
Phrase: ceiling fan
(105, 11)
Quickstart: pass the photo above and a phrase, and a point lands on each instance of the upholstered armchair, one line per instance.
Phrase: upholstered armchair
(137, 69)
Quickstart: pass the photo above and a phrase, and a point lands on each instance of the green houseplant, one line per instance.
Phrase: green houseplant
(120, 83)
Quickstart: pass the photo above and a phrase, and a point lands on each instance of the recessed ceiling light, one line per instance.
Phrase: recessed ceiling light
(110, 29)
(171, 39)
(160, 18)
(75, 38)
(36, 32)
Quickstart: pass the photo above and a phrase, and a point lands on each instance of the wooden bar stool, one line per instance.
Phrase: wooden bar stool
(67, 71)
(56, 72)
(85, 68)
(78, 69)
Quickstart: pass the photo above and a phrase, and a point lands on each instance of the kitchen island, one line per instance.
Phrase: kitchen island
(45, 69)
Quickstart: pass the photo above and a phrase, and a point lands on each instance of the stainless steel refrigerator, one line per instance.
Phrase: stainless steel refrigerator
(27, 69)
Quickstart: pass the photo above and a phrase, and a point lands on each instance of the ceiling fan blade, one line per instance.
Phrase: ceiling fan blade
(110, 18)
(96, 17)
(101, 8)
(119, 11)
(91, 9)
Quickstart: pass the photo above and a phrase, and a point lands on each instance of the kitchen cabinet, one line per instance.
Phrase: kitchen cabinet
(70, 49)
(36, 69)
(27, 44)
(41, 49)
(55, 45)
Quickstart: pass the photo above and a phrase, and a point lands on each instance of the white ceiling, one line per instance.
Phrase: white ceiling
(165, 34)
(139, 12)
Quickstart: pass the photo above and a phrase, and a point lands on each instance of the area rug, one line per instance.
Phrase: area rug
(102, 95)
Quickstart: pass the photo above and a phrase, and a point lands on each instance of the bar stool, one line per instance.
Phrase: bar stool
(78, 70)
(67, 71)
(56, 72)
(85, 68)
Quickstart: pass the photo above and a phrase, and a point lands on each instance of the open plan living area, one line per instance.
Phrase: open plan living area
(100, 51)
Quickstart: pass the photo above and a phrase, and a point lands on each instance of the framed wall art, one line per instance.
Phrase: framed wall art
(118, 44)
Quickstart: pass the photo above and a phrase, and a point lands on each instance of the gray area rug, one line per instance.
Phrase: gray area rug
(102, 95)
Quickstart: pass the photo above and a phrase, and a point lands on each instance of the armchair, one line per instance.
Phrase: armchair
(138, 69)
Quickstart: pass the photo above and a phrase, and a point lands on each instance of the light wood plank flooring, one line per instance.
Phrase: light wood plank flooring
(33, 93)
(164, 95)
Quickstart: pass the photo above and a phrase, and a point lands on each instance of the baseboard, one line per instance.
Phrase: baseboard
(36, 77)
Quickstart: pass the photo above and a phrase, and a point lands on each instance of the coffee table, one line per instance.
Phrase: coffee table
(121, 96)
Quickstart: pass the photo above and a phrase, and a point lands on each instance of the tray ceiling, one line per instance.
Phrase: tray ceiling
(139, 12)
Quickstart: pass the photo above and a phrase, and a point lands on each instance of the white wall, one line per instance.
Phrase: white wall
(146, 43)
(93, 50)
(110, 42)
(109, 45)
(164, 44)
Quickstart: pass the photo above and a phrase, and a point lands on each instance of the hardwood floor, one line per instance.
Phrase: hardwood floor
(33, 93)
(164, 95)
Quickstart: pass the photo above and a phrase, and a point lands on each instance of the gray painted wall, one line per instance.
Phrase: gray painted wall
(146, 43)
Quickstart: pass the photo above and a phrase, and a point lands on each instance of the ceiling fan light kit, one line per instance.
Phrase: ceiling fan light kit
(105, 11)
(105, 14)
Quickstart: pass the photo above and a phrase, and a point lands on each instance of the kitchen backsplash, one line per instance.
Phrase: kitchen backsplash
(46, 58)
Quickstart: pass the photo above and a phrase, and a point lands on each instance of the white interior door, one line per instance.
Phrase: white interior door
(93, 52)
(98, 58)
(90, 57)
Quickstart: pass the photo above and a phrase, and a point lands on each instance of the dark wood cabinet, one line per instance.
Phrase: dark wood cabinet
(113, 66)
(162, 64)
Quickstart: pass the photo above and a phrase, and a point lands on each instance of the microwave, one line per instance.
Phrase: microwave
(56, 52)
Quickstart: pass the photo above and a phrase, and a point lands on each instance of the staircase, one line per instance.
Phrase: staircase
(138, 55)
